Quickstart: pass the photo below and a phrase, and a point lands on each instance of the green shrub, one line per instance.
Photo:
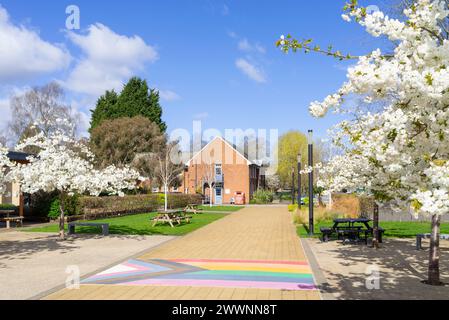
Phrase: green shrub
(54, 209)
(41, 202)
(71, 207)
(263, 196)
(292, 207)
(7, 207)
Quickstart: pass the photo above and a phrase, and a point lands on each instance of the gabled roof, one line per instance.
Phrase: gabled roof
(18, 156)
(226, 143)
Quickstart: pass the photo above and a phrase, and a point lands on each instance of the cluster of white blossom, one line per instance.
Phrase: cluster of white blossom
(64, 165)
(5, 165)
(393, 154)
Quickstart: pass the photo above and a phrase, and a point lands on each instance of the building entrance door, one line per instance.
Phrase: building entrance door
(218, 196)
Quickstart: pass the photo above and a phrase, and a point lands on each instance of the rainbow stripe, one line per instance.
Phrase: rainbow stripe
(280, 275)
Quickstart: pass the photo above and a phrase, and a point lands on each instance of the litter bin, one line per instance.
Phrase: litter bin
(240, 198)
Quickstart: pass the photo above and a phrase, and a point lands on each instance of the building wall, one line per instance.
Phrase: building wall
(235, 170)
(12, 194)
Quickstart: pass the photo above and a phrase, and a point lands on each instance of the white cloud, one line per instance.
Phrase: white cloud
(246, 46)
(252, 71)
(109, 60)
(23, 54)
(168, 95)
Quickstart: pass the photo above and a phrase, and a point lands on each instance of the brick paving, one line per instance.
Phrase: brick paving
(230, 255)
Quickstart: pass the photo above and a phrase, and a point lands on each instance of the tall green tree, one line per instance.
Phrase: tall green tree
(105, 109)
(136, 99)
(290, 145)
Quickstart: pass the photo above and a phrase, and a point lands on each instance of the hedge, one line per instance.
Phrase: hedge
(92, 208)
(7, 207)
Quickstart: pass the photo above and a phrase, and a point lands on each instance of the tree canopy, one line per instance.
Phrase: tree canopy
(290, 145)
(400, 153)
(41, 109)
(119, 141)
(136, 99)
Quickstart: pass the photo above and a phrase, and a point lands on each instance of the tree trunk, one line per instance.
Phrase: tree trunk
(434, 256)
(376, 226)
(61, 217)
(329, 205)
(211, 195)
(165, 198)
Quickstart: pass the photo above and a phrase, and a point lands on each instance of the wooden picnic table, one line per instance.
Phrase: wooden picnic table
(350, 229)
(192, 208)
(8, 219)
(171, 217)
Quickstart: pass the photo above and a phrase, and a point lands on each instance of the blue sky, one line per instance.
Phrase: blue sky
(211, 60)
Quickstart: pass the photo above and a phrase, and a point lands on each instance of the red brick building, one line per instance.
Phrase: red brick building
(228, 171)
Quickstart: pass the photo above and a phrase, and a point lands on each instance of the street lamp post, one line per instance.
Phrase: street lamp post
(299, 181)
(311, 204)
(293, 186)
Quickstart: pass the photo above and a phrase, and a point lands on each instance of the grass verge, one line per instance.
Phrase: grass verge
(140, 224)
(221, 208)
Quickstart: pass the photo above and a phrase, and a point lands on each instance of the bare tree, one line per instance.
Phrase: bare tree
(41, 109)
(209, 177)
(168, 168)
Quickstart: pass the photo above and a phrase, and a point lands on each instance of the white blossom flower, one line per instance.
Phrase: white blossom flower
(400, 152)
(346, 18)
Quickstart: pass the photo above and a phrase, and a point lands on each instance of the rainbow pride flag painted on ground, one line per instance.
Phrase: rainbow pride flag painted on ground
(280, 275)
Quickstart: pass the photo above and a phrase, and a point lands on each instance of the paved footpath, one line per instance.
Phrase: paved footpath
(253, 254)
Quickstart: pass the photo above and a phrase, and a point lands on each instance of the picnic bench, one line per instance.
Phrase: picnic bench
(104, 226)
(350, 229)
(420, 237)
(171, 217)
(8, 219)
(192, 208)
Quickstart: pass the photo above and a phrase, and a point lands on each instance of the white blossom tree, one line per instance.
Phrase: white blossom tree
(65, 166)
(5, 166)
(400, 153)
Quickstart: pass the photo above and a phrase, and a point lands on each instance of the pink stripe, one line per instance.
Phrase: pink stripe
(300, 263)
(222, 283)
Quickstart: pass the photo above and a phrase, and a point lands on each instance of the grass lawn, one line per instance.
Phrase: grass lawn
(221, 208)
(407, 229)
(140, 225)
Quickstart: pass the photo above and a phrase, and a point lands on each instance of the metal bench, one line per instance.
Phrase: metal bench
(420, 237)
(326, 234)
(104, 226)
